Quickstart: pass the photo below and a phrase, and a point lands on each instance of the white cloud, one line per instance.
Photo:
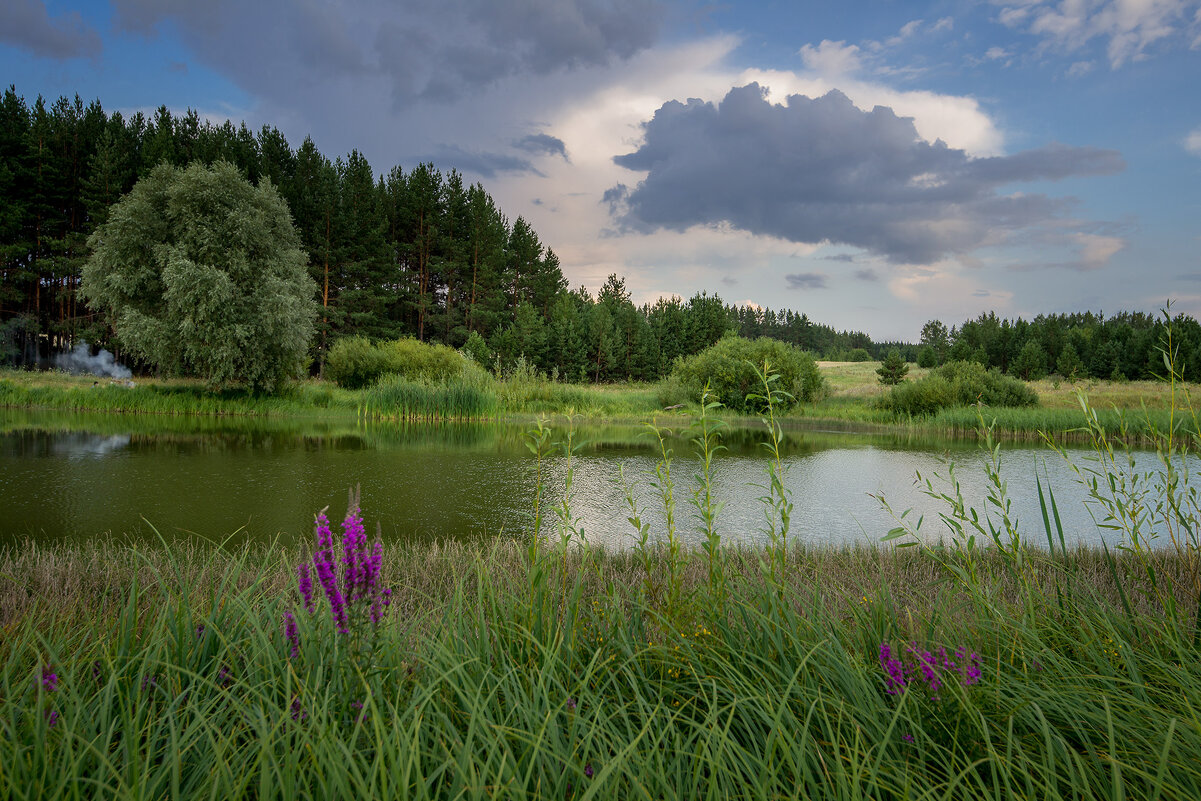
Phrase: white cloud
(1192, 142)
(955, 119)
(1080, 68)
(1129, 27)
(832, 58)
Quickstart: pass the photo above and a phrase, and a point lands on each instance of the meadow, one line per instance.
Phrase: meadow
(973, 661)
(850, 400)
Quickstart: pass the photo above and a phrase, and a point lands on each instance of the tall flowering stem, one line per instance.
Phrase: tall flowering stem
(348, 576)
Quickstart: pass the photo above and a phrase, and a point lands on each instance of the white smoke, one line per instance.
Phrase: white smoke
(102, 364)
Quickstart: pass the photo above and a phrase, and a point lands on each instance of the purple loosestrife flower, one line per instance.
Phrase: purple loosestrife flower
(907, 738)
(894, 670)
(928, 666)
(306, 586)
(297, 711)
(327, 575)
(588, 770)
(51, 717)
(292, 634)
(354, 555)
(49, 679)
(350, 582)
(200, 631)
(971, 671)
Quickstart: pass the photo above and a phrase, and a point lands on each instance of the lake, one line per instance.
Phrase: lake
(82, 476)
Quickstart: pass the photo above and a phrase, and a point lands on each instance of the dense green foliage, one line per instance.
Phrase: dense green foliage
(957, 384)
(1082, 345)
(356, 362)
(202, 274)
(729, 370)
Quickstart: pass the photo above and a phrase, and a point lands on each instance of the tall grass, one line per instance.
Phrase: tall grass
(174, 678)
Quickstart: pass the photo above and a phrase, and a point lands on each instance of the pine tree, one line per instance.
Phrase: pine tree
(893, 369)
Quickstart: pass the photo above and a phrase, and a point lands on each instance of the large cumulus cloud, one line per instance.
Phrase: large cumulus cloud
(821, 170)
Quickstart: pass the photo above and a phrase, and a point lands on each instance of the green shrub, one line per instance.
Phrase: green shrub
(421, 361)
(353, 362)
(859, 355)
(730, 368)
(957, 384)
(927, 357)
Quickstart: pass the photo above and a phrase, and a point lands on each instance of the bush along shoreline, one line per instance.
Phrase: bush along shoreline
(970, 664)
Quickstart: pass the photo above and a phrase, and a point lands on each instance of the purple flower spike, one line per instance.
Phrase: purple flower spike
(49, 679)
(51, 717)
(305, 579)
(907, 738)
(292, 634)
(588, 770)
(349, 581)
(894, 670)
(971, 671)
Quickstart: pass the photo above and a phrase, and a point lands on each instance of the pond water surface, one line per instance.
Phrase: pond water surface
(78, 477)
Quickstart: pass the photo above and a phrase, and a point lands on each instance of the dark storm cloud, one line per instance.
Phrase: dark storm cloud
(805, 281)
(820, 169)
(484, 164)
(438, 49)
(541, 143)
(26, 24)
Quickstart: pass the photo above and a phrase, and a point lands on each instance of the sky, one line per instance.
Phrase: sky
(873, 164)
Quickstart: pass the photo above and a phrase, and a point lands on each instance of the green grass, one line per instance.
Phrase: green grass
(853, 388)
(480, 688)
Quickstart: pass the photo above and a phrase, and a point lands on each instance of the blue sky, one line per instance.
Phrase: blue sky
(873, 164)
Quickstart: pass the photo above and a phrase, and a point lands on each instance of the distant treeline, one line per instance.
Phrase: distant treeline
(1127, 345)
(415, 253)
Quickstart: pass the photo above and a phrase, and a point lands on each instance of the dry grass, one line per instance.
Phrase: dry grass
(72, 582)
(858, 380)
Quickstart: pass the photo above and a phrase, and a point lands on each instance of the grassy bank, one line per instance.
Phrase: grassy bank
(518, 396)
(145, 673)
(1136, 407)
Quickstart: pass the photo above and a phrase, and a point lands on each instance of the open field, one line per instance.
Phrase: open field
(854, 386)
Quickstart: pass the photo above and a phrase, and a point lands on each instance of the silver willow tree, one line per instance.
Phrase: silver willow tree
(202, 273)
